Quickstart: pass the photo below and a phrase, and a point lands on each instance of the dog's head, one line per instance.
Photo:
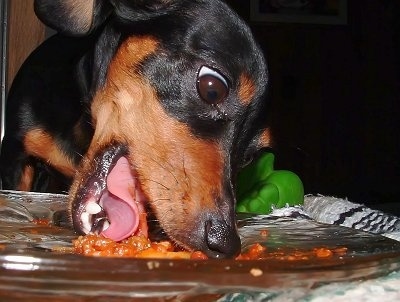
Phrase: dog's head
(178, 108)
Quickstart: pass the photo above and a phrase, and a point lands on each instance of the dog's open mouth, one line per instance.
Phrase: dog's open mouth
(111, 202)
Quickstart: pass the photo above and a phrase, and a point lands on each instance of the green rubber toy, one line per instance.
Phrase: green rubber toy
(260, 188)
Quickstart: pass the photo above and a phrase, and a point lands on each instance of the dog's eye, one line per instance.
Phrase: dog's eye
(211, 86)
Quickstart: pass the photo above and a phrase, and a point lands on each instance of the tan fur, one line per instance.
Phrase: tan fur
(26, 179)
(246, 88)
(265, 139)
(40, 144)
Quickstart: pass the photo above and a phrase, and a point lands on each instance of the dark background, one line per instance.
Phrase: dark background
(335, 93)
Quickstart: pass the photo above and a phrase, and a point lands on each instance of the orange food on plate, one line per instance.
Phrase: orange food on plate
(134, 246)
(259, 252)
(264, 233)
(42, 221)
(142, 247)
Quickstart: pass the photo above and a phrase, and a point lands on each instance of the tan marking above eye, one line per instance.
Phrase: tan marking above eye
(41, 144)
(265, 139)
(247, 88)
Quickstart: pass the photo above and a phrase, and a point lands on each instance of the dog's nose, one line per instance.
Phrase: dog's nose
(222, 239)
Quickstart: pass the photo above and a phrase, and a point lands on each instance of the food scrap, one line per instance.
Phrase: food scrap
(142, 247)
(134, 247)
(256, 272)
(260, 252)
(42, 221)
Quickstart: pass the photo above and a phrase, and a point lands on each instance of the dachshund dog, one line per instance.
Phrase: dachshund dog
(138, 107)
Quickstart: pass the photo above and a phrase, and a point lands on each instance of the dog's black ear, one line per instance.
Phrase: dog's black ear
(143, 10)
(72, 17)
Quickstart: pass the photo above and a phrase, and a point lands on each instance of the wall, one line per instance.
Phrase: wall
(25, 32)
(335, 93)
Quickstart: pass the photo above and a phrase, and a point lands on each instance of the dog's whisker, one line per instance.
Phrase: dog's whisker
(79, 154)
(170, 171)
(158, 183)
(186, 177)
(161, 163)
(157, 200)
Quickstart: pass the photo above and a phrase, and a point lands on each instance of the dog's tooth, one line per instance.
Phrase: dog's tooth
(86, 225)
(93, 208)
(106, 225)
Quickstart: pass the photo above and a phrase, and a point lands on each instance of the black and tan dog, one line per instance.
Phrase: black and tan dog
(140, 105)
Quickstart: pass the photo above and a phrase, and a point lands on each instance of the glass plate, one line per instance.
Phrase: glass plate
(30, 269)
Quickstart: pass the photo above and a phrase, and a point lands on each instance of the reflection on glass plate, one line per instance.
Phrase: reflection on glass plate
(29, 268)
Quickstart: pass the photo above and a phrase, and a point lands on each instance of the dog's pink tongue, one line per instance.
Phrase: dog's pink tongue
(122, 211)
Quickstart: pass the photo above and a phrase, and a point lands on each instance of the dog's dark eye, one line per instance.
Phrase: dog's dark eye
(211, 86)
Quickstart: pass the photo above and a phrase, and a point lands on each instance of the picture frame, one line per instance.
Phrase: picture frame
(329, 12)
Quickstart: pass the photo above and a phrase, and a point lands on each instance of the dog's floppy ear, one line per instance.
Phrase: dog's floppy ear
(72, 17)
